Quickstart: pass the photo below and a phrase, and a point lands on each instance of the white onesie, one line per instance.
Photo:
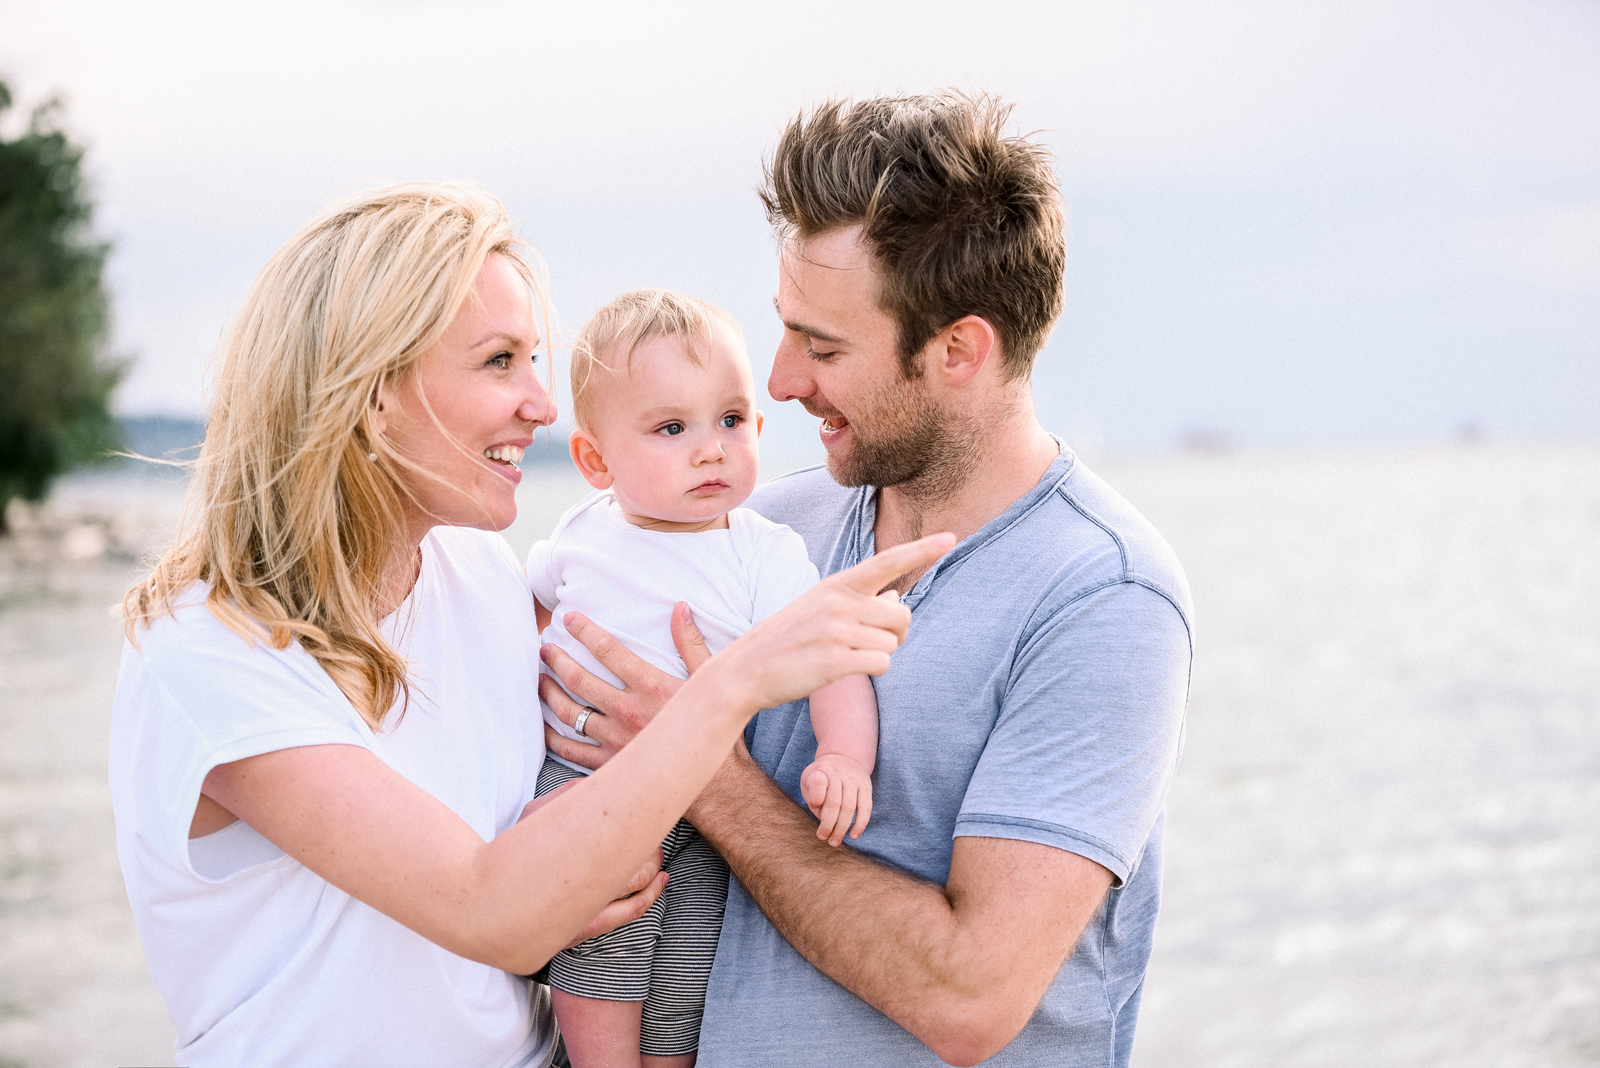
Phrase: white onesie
(627, 579)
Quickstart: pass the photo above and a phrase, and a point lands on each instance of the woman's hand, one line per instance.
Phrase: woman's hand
(844, 625)
(637, 896)
(839, 627)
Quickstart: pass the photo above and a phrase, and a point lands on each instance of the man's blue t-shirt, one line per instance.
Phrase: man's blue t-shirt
(1039, 696)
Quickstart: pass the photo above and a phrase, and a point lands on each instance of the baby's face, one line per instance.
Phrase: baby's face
(679, 441)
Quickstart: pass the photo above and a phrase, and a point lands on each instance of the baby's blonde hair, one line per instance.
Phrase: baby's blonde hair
(607, 341)
(296, 510)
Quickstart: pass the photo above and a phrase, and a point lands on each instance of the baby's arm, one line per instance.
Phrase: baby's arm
(838, 783)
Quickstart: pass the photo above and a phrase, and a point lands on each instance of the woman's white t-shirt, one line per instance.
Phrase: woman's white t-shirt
(259, 960)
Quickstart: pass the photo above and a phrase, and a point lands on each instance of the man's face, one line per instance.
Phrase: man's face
(839, 358)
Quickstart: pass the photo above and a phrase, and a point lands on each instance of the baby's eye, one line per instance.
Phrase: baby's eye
(732, 420)
(670, 429)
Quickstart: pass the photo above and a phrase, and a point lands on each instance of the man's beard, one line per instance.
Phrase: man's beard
(913, 444)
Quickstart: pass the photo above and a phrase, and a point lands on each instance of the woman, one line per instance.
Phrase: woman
(326, 726)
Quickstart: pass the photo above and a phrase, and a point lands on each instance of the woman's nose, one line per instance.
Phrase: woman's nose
(538, 407)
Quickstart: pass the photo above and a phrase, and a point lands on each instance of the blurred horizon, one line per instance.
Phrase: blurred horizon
(1319, 225)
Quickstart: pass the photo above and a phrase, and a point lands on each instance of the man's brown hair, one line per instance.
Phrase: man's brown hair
(959, 218)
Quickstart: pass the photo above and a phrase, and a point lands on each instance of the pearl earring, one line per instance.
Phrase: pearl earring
(372, 456)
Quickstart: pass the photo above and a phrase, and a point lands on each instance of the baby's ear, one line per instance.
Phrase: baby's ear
(585, 451)
(760, 421)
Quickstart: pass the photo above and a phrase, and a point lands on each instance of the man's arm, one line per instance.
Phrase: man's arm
(960, 966)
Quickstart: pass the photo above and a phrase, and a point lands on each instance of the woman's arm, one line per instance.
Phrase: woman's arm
(516, 900)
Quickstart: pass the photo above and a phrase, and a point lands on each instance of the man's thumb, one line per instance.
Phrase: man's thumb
(687, 637)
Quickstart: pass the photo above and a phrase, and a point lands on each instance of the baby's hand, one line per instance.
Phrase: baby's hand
(838, 790)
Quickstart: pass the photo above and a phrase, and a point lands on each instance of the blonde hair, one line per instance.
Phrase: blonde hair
(295, 513)
(607, 341)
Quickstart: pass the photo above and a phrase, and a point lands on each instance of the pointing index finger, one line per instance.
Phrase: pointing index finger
(873, 574)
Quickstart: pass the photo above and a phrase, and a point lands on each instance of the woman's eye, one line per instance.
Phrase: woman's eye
(502, 360)
(671, 429)
(732, 420)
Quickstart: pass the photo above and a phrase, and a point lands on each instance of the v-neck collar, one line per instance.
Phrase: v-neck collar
(865, 514)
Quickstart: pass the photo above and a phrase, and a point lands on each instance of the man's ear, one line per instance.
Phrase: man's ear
(586, 455)
(964, 348)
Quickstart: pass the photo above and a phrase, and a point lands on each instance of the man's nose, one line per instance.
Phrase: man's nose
(791, 376)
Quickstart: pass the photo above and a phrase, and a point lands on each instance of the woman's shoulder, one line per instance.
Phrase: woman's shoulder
(189, 631)
(468, 546)
(477, 569)
(224, 683)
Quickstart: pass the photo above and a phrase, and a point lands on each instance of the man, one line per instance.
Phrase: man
(1001, 904)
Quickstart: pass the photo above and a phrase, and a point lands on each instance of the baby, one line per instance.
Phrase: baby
(666, 433)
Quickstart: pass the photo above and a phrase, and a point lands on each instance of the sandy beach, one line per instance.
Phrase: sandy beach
(1383, 842)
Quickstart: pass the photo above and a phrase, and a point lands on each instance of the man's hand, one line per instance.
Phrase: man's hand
(637, 896)
(622, 713)
(838, 790)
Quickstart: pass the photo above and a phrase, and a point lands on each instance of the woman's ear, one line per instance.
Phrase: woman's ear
(585, 451)
(380, 418)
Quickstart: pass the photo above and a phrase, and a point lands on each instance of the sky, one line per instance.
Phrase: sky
(1291, 225)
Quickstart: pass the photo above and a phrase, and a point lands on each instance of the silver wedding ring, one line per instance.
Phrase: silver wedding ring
(583, 718)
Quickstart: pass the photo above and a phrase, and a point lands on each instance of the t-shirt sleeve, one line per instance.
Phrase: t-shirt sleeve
(1084, 748)
(782, 571)
(543, 580)
(197, 695)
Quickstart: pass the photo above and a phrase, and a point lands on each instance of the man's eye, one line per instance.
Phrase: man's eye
(815, 355)
(670, 429)
(732, 420)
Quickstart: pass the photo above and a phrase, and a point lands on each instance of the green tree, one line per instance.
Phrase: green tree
(55, 379)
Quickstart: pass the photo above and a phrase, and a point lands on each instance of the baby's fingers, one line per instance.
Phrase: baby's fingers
(850, 811)
(864, 811)
(847, 812)
(829, 817)
(814, 788)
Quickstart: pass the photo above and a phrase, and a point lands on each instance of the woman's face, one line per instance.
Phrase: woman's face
(486, 399)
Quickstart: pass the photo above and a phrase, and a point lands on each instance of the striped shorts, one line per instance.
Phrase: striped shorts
(664, 957)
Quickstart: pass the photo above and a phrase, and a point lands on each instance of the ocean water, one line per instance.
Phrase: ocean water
(1383, 839)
